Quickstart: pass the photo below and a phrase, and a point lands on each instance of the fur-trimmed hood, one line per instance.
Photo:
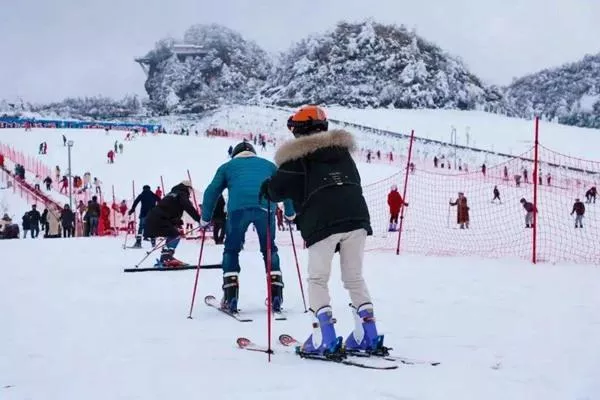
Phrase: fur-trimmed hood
(305, 145)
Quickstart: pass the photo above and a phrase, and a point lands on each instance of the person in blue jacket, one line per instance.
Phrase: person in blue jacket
(242, 177)
(148, 200)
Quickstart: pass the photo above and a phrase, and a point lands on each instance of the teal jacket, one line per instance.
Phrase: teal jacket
(242, 177)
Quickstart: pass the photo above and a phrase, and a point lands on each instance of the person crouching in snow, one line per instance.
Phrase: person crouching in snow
(316, 171)
(395, 202)
(164, 220)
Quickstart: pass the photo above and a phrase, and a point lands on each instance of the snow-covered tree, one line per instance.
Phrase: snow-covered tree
(374, 65)
(225, 68)
(569, 94)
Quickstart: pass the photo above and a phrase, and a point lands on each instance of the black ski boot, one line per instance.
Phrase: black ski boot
(231, 289)
(138, 242)
(276, 291)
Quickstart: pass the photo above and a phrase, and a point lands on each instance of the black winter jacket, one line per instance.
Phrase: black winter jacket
(164, 219)
(318, 174)
(34, 218)
(219, 214)
(148, 200)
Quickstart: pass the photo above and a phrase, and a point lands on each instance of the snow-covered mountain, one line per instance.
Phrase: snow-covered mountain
(363, 64)
(211, 66)
(369, 64)
(570, 93)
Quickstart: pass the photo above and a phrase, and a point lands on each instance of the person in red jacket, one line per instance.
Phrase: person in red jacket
(1, 161)
(395, 202)
(158, 192)
(105, 217)
(111, 157)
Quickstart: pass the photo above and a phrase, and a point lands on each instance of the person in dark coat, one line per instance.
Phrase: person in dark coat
(590, 195)
(25, 224)
(164, 220)
(148, 199)
(35, 218)
(530, 209)
(93, 215)
(496, 195)
(316, 171)
(44, 220)
(579, 211)
(67, 220)
(462, 210)
(218, 221)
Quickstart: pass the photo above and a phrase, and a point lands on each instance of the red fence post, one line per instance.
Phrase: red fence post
(535, 192)
(408, 160)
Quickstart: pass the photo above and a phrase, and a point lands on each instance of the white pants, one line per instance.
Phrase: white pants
(320, 255)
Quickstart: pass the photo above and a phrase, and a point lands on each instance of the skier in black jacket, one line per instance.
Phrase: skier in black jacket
(148, 200)
(316, 171)
(218, 221)
(164, 220)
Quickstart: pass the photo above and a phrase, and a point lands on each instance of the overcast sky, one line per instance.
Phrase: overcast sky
(51, 49)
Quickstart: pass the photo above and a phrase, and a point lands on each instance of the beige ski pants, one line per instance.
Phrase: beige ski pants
(320, 255)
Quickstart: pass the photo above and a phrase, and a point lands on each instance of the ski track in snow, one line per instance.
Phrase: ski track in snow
(74, 326)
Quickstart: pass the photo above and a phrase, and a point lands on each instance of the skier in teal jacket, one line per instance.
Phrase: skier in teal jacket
(242, 176)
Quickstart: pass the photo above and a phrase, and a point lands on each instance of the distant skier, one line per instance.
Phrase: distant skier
(97, 185)
(462, 210)
(148, 201)
(483, 169)
(435, 161)
(317, 172)
(590, 195)
(64, 138)
(64, 185)
(579, 211)
(395, 202)
(517, 180)
(229, 151)
(111, 157)
(48, 183)
(530, 209)
(121, 148)
(505, 173)
(242, 177)
(158, 192)
(496, 195)
(165, 219)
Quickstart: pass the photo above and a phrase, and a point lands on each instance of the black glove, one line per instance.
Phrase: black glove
(264, 190)
(130, 212)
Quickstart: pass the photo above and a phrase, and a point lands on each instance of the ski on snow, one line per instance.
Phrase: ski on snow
(212, 301)
(289, 341)
(179, 268)
(247, 344)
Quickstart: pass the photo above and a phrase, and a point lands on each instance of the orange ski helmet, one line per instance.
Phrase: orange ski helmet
(308, 119)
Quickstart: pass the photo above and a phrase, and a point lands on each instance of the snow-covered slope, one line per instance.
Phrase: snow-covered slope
(75, 326)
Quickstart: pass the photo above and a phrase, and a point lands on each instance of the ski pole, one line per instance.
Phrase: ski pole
(126, 234)
(269, 266)
(161, 245)
(297, 267)
(197, 273)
